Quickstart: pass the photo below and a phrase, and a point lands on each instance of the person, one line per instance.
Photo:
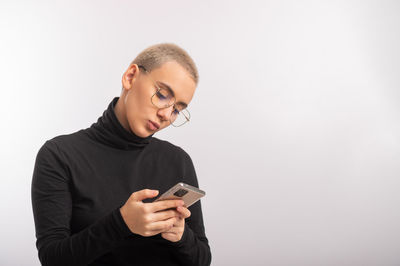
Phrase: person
(93, 190)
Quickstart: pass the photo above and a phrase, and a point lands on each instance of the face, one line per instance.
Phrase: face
(138, 114)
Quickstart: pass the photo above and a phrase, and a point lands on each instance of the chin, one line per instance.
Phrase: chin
(142, 132)
(139, 131)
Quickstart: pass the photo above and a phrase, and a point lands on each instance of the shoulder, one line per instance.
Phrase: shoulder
(58, 145)
(67, 139)
(177, 158)
(167, 148)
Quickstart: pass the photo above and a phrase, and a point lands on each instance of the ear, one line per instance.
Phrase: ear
(129, 77)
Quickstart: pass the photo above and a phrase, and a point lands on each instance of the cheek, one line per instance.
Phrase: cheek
(136, 101)
(131, 107)
(139, 106)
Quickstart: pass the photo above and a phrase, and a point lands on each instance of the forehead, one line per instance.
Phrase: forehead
(177, 78)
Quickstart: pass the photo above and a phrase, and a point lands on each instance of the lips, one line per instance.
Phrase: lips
(154, 125)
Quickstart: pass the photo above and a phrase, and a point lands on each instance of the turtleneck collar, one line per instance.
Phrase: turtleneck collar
(108, 130)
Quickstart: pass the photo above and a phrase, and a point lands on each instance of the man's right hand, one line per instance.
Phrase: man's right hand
(149, 219)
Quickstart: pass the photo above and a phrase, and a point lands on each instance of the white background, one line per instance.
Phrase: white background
(296, 120)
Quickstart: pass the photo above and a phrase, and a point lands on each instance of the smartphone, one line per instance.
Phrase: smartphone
(185, 192)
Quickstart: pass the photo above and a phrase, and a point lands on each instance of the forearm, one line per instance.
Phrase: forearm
(84, 247)
(192, 249)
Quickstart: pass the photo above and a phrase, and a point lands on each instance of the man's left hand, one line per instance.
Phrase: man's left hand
(174, 234)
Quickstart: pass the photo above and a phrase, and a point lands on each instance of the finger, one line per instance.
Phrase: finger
(144, 194)
(185, 213)
(164, 215)
(164, 204)
(169, 233)
(162, 225)
(170, 237)
(179, 222)
(174, 230)
(153, 233)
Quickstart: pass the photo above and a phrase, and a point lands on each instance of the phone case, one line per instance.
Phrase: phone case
(189, 194)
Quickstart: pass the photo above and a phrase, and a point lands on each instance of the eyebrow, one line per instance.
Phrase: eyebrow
(166, 86)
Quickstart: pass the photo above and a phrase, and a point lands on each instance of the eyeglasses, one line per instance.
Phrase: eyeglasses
(164, 98)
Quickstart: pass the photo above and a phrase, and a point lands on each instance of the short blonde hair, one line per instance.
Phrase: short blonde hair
(158, 54)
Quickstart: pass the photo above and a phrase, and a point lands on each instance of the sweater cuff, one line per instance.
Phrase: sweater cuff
(120, 223)
(187, 238)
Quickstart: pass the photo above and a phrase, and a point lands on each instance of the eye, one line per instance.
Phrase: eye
(176, 111)
(160, 95)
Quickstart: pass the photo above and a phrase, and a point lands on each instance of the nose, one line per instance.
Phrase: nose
(165, 113)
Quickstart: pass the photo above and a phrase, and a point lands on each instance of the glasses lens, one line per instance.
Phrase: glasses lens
(163, 98)
(181, 118)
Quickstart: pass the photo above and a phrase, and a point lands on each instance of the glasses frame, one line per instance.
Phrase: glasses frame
(187, 118)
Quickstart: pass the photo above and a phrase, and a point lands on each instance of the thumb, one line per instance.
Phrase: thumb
(144, 194)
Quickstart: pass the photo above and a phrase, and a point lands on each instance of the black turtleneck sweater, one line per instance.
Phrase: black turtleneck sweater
(81, 180)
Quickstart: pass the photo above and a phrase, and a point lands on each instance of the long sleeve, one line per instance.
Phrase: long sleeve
(52, 208)
(80, 181)
(193, 248)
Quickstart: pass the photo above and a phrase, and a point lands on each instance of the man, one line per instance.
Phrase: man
(92, 190)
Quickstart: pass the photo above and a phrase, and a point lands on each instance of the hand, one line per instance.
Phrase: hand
(148, 219)
(176, 232)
